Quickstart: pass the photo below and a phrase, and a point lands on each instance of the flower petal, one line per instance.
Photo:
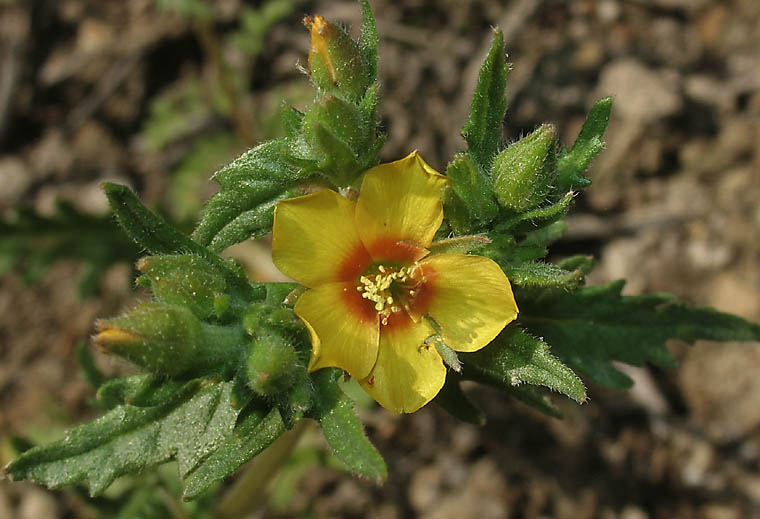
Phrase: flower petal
(408, 373)
(343, 328)
(471, 299)
(315, 240)
(400, 201)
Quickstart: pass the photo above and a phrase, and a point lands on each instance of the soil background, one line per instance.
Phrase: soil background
(673, 208)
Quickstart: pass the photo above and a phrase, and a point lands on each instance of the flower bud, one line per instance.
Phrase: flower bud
(523, 173)
(335, 60)
(159, 337)
(272, 364)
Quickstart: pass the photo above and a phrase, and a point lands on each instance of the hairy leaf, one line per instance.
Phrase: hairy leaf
(334, 411)
(489, 106)
(515, 357)
(187, 427)
(256, 430)
(590, 328)
(368, 41)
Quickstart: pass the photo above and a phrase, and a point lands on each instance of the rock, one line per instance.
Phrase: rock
(15, 177)
(720, 385)
(641, 94)
(37, 504)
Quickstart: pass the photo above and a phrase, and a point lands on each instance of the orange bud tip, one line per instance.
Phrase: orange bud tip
(319, 24)
(114, 336)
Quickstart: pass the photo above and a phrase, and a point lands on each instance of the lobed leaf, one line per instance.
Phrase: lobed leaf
(32, 243)
(256, 430)
(187, 427)
(592, 327)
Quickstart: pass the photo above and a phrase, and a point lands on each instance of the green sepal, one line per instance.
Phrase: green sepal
(368, 112)
(515, 357)
(187, 427)
(581, 262)
(532, 220)
(184, 280)
(256, 429)
(459, 244)
(291, 119)
(572, 164)
(473, 187)
(505, 251)
(524, 172)
(334, 411)
(342, 136)
(544, 275)
(489, 106)
(594, 326)
(546, 235)
(453, 400)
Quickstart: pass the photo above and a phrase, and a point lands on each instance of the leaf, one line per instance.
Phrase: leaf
(489, 106)
(572, 164)
(514, 358)
(474, 188)
(592, 327)
(32, 243)
(251, 186)
(187, 427)
(256, 430)
(334, 411)
(368, 41)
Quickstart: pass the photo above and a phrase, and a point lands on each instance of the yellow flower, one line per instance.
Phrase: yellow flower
(376, 294)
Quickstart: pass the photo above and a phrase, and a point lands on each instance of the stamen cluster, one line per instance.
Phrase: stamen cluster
(388, 289)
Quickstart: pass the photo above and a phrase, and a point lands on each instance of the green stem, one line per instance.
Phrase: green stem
(247, 493)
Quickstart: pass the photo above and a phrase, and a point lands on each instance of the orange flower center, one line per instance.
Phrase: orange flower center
(391, 288)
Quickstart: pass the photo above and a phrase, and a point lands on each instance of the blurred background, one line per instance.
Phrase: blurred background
(157, 94)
